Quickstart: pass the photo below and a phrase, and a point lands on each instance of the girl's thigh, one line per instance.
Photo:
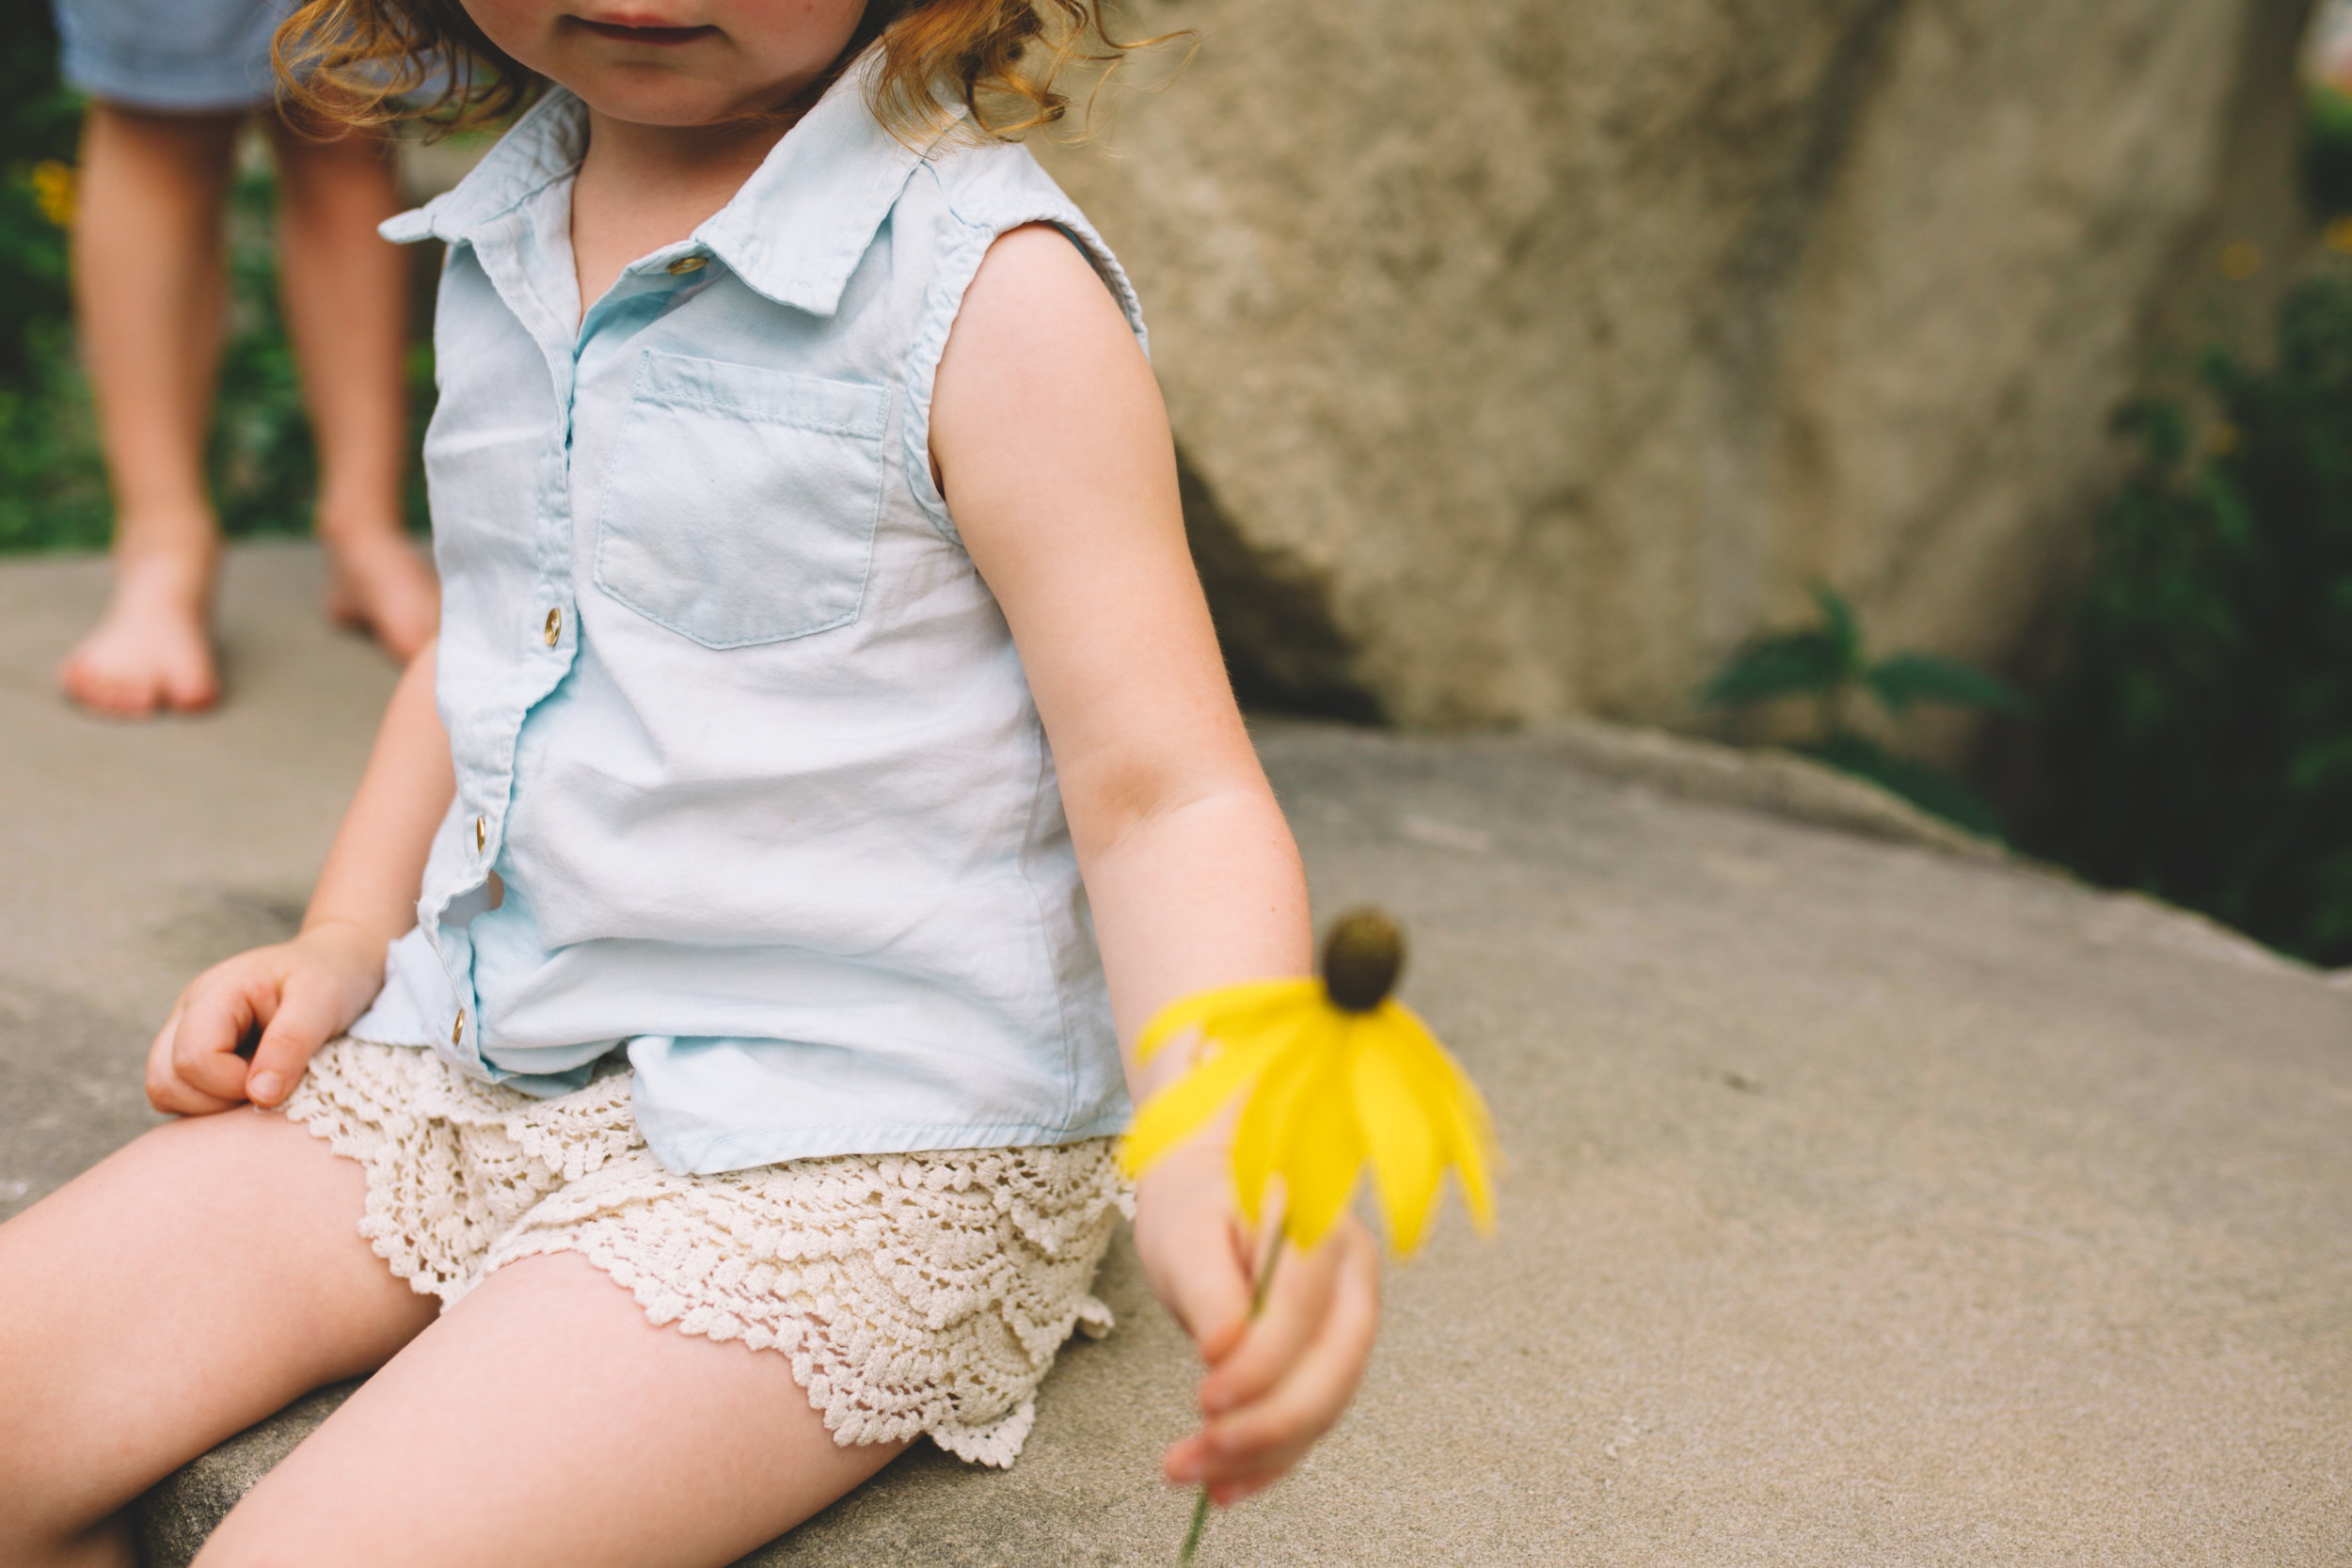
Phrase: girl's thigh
(544, 1421)
(180, 1290)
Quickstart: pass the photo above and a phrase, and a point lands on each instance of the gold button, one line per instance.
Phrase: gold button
(555, 625)
(685, 265)
(457, 1030)
(481, 833)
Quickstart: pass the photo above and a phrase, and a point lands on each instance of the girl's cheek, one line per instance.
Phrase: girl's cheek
(520, 28)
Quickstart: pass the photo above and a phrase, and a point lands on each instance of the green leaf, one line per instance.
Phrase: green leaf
(1902, 679)
(1844, 632)
(1794, 664)
(1931, 789)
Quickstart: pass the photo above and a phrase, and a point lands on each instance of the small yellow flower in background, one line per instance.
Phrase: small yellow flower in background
(2240, 260)
(2337, 236)
(53, 191)
(1337, 1073)
(2222, 440)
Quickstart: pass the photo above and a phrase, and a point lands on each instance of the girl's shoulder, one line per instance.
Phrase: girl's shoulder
(978, 182)
(974, 192)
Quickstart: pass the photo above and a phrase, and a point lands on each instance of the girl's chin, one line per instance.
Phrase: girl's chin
(668, 100)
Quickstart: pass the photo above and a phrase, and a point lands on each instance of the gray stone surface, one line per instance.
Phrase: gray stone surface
(1527, 356)
(133, 855)
(1869, 1203)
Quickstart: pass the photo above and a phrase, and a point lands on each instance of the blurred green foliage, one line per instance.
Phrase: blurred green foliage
(1828, 666)
(2199, 741)
(2327, 151)
(52, 490)
(53, 481)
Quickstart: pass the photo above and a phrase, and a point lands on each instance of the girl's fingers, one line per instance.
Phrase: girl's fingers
(1193, 1462)
(1309, 1397)
(1295, 1302)
(175, 1099)
(161, 1081)
(165, 1091)
(1204, 1281)
(305, 1020)
(221, 1011)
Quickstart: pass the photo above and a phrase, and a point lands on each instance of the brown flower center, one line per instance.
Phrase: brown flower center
(1362, 956)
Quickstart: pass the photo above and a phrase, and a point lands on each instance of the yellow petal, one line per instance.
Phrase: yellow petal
(1225, 1008)
(1265, 1116)
(1400, 1129)
(1321, 1149)
(1170, 1115)
(1465, 1132)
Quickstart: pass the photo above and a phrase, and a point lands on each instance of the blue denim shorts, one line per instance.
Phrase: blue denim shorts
(185, 56)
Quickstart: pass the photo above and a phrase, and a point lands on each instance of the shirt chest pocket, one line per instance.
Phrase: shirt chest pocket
(741, 501)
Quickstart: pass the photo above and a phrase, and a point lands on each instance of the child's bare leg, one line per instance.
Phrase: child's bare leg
(345, 293)
(148, 298)
(544, 1421)
(177, 1293)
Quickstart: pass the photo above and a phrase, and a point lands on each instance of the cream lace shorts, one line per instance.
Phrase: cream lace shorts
(914, 1292)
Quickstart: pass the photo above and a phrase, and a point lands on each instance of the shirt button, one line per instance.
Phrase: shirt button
(481, 833)
(555, 625)
(685, 265)
(457, 1030)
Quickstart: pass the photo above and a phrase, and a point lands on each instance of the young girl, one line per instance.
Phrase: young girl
(822, 677)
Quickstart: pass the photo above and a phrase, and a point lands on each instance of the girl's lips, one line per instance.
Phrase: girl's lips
(621, 33)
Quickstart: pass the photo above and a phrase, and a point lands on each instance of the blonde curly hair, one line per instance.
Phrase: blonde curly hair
(371, 62)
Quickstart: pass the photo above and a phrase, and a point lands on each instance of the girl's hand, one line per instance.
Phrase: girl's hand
(295, 996)
(1276, 1382)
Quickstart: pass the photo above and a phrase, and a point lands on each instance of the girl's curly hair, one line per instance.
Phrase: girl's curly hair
(374, 61)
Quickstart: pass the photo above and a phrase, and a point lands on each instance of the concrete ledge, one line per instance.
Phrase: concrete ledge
(1781, 784)
(1873, 1200)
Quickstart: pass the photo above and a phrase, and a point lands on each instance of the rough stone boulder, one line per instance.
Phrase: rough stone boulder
(1526, 356)
(1872, 1199)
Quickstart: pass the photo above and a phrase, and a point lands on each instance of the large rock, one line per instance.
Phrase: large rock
(1872, 1199)
(1526, 356)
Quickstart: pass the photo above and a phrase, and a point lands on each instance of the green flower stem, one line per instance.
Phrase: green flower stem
(1191, 1549)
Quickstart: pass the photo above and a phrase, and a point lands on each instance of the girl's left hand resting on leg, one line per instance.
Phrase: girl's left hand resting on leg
(1053, 452)
(297, 995)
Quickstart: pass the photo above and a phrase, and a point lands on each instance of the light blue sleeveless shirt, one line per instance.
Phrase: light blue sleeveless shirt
(736, 725)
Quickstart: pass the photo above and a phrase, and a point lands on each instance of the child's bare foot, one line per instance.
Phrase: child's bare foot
(153, 650)
(382, 586)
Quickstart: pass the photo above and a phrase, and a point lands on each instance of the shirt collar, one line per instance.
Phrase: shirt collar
(794, 231)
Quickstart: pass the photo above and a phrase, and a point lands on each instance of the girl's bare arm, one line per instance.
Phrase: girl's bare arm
(377, 862)
(300, 994)
(1055, 456)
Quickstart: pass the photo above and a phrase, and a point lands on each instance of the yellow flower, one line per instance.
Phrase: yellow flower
(1336, 1073)
(53, 191)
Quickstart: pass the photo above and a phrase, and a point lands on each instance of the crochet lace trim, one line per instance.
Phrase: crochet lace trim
(914, 1293)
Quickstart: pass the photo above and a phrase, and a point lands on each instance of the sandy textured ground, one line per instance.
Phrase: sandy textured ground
(1867, 1204)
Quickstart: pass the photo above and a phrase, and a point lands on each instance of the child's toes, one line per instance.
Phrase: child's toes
(190, 684)
(151, 648)
(97, 678)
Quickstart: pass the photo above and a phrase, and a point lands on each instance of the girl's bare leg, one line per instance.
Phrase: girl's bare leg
(147, 297)
(345, 293)
(182, 1290)
(544, 1421)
